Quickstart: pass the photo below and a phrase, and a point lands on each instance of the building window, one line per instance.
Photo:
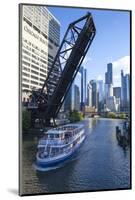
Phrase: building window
(34, 82)
(26, 69)
(35, 67)
(42, 75)
(43, 61)
(26, 63)
(24, 85)
(45, 36)
(37, 63)
(25, 80)
(34, 77)
(25, 57)
(24, 74)
(42, 80)
(26, 52)
(42, 70)
(36, 29)
(27, 21)
(34, 72)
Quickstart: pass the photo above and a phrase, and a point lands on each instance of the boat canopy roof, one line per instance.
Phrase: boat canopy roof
(64, 129)
(51, 131)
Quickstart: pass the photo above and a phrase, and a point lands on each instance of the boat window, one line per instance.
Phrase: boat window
(56, 135)
(67, 135)
(51, 136)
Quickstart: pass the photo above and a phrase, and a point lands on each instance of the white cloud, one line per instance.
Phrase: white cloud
(122, 63)
(99, 77)
(118, 65)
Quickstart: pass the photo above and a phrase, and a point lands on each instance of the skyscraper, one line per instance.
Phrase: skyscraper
(40, 42)
(117, 95)
(68, 103)
(83, 86)
(100, 89)
(95, 95)
(125, 91)
(89, 94)
(109, 81)
(117, 92)
(100, 86)
(72, 101)
(76, 98)
(109, 74)
(112, 104)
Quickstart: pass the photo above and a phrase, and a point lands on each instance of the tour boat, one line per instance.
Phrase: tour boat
(59, 144)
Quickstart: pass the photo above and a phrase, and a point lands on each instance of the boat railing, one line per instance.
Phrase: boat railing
(51, 142)
(58, 141)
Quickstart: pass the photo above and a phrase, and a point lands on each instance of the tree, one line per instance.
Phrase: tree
(111, 115)
(122, 115)
(75, 116)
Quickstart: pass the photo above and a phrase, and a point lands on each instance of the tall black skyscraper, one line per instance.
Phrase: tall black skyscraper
(76, 98)
(83, 86)
(109, 74)
(109, 81)
(95, 95)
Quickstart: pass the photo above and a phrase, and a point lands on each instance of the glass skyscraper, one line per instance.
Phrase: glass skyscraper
(100, 86)
(125, 91)
(109, 81)
(72, 101)
(89, 95)
(95, 95)
(83, 73)
(117, 92)
(109, 74)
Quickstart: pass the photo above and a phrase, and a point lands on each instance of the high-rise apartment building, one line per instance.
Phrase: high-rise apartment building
(40, 42)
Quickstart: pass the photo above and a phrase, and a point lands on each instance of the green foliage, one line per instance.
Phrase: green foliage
(122, 116)
(75, 116)
(26, 120)
(111, 115)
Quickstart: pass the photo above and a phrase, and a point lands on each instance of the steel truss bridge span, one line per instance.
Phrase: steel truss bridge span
(47, 102)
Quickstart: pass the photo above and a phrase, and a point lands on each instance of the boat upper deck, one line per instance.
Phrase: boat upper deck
(61, 135)
(64, 129)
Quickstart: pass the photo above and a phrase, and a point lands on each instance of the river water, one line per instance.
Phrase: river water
(100, 164)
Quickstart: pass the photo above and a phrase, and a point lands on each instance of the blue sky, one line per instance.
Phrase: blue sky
(111, 43)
